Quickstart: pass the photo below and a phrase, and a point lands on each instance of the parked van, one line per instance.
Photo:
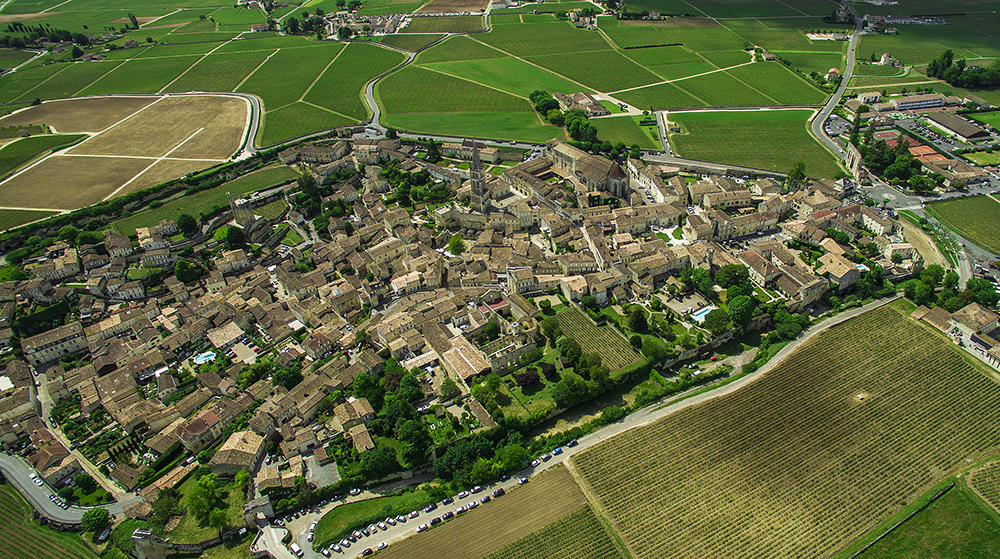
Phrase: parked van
(297, 550)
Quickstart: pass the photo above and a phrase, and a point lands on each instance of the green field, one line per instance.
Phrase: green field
(23, 538)
(140, 76)
(876, 70)
(778, 83)
(508, 74)
(298, 119)
(458, 48)
(804, 459)
(663, 96)
(17, 153)
(737, 138)
(814, 61)
(340, 87)
(591, 69)
(345, 517)
(956, 525)
(411, 43)
(699, 38)
(444, 24)
(727, 58)
(278, 87)
(523, 126)
(579, 535)
(70, 80)
(625, 129)
(194, 204)
(977, 218)
(720, 89)
(13, 218)
(990, 118)
(414, 89)
(550, 38)
(615, 352)
(219, 72)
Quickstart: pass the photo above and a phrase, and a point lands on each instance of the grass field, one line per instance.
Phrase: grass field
(414, 89)
(22, 538)
(616, 353)
(340, 87)
(70, 80)
(986, 483)
(624, 129)
(579, 535)
(191, 530)
(411, 43)
(735, 137)
(984, 158)
(444, 24)
(508, 74)
(706, 36)
(591, 69)
(13, 218)
(802, 460)
(549, 497)
(778, 83)
(17, 153)
(551, 38)
(343, 518)
(523, 126)
(953, 526)
(297, 119)
(977, 218)
(990, 118)
(194, 204)
(278, 87)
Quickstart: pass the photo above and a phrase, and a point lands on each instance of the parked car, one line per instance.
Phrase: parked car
(336, 548)
(485, 499)
(421, 528)
(447, 515)
(557, 451)
(499, 493)
(325, 552)
(450, 500)
(355, 491)
(522, 481)
(477, 489)
(368, 551)
(573, 443)
(435, 520)
(414, 514)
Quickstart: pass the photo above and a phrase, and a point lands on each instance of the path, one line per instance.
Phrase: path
(816, 125)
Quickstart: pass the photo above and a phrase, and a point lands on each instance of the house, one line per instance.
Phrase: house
(353, 412)
(957, 126)
(200, 432)
(243, 450)
(974, 319)
(839, 270)
(53, 344)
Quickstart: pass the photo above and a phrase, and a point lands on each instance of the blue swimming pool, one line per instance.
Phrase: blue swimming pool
(203, 358)
(700, 314)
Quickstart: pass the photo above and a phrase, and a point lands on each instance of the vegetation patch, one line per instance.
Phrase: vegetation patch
(614, 350)
(579, 535)
(16, 154)
(414, 89)
(977, 218)
(444, 24)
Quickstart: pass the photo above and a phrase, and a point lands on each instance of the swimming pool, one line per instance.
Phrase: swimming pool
(700, 314)
(203, 358)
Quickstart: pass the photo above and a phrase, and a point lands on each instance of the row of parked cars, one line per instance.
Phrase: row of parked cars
(463, 508)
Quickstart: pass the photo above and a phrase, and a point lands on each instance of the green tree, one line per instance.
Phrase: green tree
(293, 25)
(218, 519)
(493, 383)
(187, 225)
(951, 280)
(378, 463)
(241, 478)
(69, 234)
(66, 493)
(551, 329)
(741, 309)
(570, 390)
(456, 245)
(289, 377)
(85, 482)
(637, 320)
(509, 458)
(76, 53)
(545, 305)
(234, 237)
(415, 442)
(732, 274)
(717, 321)
(569, 348)
(95, 520)
(201, 499)
(449, 389)
(797, 172)
(167, 504)
(187, 271)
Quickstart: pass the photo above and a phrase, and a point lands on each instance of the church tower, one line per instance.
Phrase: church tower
(479, 198)
(242, 210)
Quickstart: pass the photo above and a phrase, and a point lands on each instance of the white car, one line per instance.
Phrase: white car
(381, 546)
(391, 521)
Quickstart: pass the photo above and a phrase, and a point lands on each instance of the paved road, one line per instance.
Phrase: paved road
(654, 412)
(818, 121)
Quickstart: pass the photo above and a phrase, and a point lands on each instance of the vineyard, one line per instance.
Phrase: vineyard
(577, 536)
(615, 352)
(986, 482)
(802, 461)
(22, 539)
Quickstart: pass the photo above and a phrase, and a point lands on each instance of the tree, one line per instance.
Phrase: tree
(897, 258)
(951, 280)
(569, 348)
(415, 441)
(456, 245)
(449, 389)
(571, 390)
(637, 320)
(528, 377)
(378, 463)
(293, 25)
(76, 53)
(732, 274)
(797, 172)
(636, 341)
(288, 377)
(551, 329)
(187, 271)
(218, 519)
(717, 321)
(345, 32)
(241, 478)
(234, 237)
(202, 498)
(493, 383)
(69, 234)
(187, 225)
(95, 520)
(741, 309)
(66, 493)
(509, 458)
(167, 504)
(85, 483)
(545, 305)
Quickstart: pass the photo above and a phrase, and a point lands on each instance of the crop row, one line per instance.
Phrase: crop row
(577, 536)
(799, 462)
(615, 352)
(987, 482)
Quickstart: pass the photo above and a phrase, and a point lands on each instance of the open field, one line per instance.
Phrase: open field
(163, 171)
(701, 35)
(550, 38)
(458, 48)
(802, 460)
(977, 218)
(17, 153)
(219, 72)
(814, 61)
(194, 204)
(209, 127)
(297, 119)
(191, 530)
(576, 536)
(443, 24)
(615, 352)
(736, 138)
(70, 80)
(453, 6)
(22, 538)
(278, 87)
(548, 498)
(662, 96)
(81, 115)
(624, 129)
(13, 218)
(140, 76)
(523, 126)
(984, 157)
(340, 87)
(415, 89)
(721, 89)
(953, 526)
(991, 118)
(411, 42)
(591, 69)
(779, 83)
(986, 482)
(93, 179)
(508, 74)
(346, 516)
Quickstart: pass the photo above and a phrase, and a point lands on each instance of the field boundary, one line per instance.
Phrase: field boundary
(936, 496)
(598, 507)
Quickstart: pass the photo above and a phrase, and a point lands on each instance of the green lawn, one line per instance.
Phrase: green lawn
(624, 129)
(991, 118)
(17, 153)
(736, 137)
(191, 530)
(198, 202)
(346, 517)
(977, 218)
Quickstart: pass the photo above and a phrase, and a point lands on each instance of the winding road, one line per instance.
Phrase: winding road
(816, 126)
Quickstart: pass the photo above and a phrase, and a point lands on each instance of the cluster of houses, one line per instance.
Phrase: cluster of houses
(564, 220)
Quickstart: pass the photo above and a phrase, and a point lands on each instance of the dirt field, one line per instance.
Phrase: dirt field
(78, 115)
(924, 245)
(451, 6)
(68, 183)
(162, 172)
(209, 128)
(548, 498)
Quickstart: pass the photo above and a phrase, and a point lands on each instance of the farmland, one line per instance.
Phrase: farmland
(297, 119)
(549, 497)
(22, 538)
(577, 536)
(339, 88)
(590, 69)
(444, 24)
(508, 74)
(615, 351)
(411, 42)
(81, 115)
(625, 129)
(788, 140)
(16, 154)
(986, 482)
(975, 218)
(13, 218)
(414, 89)
(803, 459)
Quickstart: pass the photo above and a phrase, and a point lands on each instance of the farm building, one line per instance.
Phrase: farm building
(958, 126)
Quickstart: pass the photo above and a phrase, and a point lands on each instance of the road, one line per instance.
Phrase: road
(654, 412)
(818, 121)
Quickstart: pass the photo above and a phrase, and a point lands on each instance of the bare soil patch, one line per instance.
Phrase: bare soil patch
(163, 171)
(72, 116)
(547, 498)
(449, 6)
(144, 19)
(69, 182)
(23, 18)
(162, 127)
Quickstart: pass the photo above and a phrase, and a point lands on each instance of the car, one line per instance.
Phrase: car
(414, 514)
(463, 494)
(435, 520)
(312, 527)
(345, 544)
(499, 493)
(477, 489)
(355, 492)
(573, 443)
(430, 507)
(37, 384)
(372, 529)
(325, 552)
(32, 476)
(382, 526)
(391, 521)
(536, 462)
(522, 481)
(447, 515)
(354, 536)
(401, 518)
(368, 551)
(461, 509)
(485, 499)
(309, 538)
(557, 451)
(546, 457)
(366, 532)
(381, 546)
(279, 522)
(38, 482)
(421, 528)
(450, 500)
(473, 504)
(504, 477)
(336, 548)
